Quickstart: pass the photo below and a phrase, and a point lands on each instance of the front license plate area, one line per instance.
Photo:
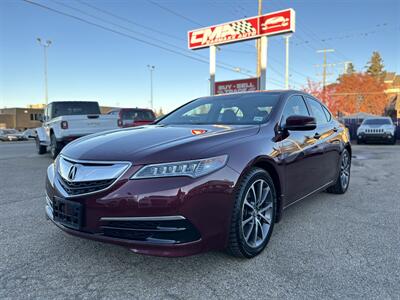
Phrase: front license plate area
(68, 213)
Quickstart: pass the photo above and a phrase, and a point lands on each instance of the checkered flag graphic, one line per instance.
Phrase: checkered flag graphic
(242, 27)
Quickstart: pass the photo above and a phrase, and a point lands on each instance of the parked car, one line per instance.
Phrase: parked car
(216, 173)
(65, 121)
(379, 129)
(30, 134)
(11, 135)
(131, 117)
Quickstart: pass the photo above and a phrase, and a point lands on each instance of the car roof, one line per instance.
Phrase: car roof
(130, 108)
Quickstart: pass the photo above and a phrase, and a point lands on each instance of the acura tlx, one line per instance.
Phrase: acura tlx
(216, 173)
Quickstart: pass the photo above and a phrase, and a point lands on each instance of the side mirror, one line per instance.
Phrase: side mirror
(300, 123)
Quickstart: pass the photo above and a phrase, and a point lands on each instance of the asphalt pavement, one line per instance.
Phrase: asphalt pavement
(327, 246)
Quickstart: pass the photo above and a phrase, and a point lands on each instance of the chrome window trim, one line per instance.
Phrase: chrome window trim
(156, 218)
(66, 195)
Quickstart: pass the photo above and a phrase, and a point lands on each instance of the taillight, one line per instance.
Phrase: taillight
(119, 123)
(64, 125)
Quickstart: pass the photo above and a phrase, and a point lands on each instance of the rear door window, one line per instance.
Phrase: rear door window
(75, 108)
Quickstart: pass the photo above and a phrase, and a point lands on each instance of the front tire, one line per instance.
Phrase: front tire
(343, 179)
(40, 148)
(253, 214)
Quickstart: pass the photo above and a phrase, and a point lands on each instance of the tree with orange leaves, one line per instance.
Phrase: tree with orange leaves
(355, 92)
(359, 92)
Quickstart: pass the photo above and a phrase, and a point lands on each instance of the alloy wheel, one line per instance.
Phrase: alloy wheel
(345, 170)
(257, 211)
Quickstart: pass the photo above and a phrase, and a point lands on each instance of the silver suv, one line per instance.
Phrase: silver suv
(379, 129)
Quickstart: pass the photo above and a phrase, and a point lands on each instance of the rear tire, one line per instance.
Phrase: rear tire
(55, 147)
(40, 148)
(253, 215)
(359, 142)
(343, 179)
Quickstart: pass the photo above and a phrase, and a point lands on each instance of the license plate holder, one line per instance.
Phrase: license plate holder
(68, 213)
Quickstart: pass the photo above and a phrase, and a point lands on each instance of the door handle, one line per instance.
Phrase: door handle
(317, 135)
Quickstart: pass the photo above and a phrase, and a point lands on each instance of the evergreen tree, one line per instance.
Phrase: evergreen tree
(350, 68)
(375, 66)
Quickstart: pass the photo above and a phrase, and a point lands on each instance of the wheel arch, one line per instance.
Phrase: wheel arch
(269, 165)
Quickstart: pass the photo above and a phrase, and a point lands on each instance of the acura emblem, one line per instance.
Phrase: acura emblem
(72, 172)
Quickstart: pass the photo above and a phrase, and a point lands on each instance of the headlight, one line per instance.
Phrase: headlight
(191, 168)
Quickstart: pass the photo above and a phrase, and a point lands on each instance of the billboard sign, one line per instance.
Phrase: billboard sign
(250, 28)
(235, 86)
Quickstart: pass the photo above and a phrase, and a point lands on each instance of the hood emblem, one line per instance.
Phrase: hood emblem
(72, 172)
(198, 131)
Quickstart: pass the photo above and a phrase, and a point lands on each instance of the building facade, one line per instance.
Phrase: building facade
(20, 118)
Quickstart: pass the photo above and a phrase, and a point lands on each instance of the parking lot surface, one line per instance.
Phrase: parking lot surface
(327, 246)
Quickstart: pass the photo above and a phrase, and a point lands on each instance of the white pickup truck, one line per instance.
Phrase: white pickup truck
(65, 121)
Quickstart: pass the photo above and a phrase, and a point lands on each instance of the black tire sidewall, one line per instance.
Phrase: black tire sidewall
(54, 146)
(256, 174)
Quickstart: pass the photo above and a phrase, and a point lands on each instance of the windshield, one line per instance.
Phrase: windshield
(75, 108)
(377, 122)
(239, 109)
(138, 115)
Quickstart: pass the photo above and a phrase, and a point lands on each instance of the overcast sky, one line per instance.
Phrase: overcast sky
(89, 63)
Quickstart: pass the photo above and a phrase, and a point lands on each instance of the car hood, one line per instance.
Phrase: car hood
(156, 143)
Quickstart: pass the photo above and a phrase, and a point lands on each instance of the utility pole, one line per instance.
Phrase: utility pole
(324, 65)
(287, 61)
(151, 69)
(258, 45)
(45, 45)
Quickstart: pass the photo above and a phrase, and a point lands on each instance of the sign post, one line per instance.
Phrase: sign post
(213, 54)
(270, 24)
(263, 62)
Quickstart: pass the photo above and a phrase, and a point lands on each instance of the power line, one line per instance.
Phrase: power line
(140, 33)
(121, 33)
(174, 13)
(130, 21)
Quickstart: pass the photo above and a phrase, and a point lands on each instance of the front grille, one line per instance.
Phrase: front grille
(84, 187)
(78, 177)
(163, 231)
(374, 130)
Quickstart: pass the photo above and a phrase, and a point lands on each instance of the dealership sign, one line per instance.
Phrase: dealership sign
(235, 86)
(250, 28)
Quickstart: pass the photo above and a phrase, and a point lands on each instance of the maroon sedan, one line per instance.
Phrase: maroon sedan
(131, 117)
(216, 173)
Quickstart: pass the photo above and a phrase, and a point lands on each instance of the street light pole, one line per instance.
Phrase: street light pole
(45, 45)
(151, 69)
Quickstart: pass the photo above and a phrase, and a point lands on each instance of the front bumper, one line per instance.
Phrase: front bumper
(166, 217)
(382, 137)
